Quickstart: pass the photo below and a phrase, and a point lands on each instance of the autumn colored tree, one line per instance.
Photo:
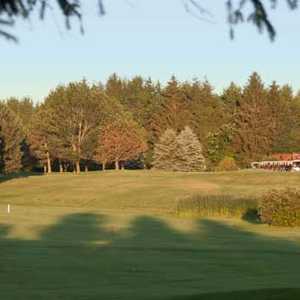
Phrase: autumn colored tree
(120, 140)
(142, 98)
(10, 141)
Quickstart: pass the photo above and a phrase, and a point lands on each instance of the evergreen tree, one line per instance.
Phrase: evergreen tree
(286, 113)
(165, 151)
(189, 156)
(219, 144)
(24, 110)
(173, 111)
(232, 97)
(10, 141)
(254, 123)
(206, 109)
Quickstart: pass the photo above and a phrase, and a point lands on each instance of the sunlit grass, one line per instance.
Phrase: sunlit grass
(111, 236)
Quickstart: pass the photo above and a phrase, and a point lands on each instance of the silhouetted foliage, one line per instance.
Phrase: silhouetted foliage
(238, 12)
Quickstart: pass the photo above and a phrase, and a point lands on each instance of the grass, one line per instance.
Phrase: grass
(111, 236)
(137, 190)
(218, 206)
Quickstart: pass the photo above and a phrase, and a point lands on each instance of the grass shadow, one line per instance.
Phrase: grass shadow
(8, 177)
(80, 257)
(263, 294)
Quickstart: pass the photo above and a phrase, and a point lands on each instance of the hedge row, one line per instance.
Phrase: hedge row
(276, 207)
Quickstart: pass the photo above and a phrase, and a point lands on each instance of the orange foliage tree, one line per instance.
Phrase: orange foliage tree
(120, 141)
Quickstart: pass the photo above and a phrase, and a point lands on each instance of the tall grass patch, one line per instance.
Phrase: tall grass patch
(217, 206)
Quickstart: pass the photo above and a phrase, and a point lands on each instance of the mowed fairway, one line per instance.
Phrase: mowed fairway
(113, 235)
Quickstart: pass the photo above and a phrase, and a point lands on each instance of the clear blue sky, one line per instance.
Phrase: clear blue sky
(150, 38)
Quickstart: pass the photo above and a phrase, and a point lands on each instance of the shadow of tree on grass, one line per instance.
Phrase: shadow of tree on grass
(4, 178)
(80, 257)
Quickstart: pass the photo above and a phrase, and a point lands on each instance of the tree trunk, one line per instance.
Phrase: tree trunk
(78, 167)
(123, 165)
(45, 168)
(103, 166)
(49, 163)
(117, 165)
(86, 168)
(61, 169)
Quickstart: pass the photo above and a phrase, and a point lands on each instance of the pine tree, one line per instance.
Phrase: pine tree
(173, 111)
(231, 98)
(189, 156)
(24, 109)
(165, 151)
(255, 126)
(206, 109)
(10, 141)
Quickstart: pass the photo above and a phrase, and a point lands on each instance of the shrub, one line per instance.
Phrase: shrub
(280, 208)
(217, 205)
(227, 164)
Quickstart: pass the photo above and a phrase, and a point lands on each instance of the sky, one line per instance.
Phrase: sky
(154, 39)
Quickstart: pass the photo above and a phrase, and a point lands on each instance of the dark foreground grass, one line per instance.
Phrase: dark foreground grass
(266, 294)
(59, 253)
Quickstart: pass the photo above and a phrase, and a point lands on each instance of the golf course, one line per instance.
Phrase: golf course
(116, 235)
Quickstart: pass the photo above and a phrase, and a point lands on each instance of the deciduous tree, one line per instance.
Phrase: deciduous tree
(120, 140)
(75, 113)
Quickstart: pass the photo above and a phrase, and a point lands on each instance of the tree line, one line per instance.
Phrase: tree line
(137, 123)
